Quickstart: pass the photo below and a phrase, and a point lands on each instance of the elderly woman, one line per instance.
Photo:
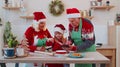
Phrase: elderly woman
(36, 35)
(81, 33)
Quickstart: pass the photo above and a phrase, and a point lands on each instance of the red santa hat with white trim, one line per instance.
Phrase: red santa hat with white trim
(59, 28)
(73, 13)
(38, 17)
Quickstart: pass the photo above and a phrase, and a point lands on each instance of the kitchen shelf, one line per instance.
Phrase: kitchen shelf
(12, 8)
(117, 23)
(27, 17)
(102, 7)
(89, 17)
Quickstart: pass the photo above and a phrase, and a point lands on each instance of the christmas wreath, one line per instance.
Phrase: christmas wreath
(56, 7)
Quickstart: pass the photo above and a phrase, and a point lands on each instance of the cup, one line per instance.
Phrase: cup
(20, 51)
(99, 3)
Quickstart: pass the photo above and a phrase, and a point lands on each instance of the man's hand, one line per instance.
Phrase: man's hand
(68, 43)
(68, 48)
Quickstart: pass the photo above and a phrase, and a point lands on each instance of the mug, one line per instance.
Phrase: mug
(20, 51)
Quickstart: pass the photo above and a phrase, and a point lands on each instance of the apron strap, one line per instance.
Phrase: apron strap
(80, 25)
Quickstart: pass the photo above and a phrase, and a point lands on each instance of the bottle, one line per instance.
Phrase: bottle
(89, 12)
(21, 3)
(18, 3)
(107, 3)
(6, 3)
(23, 11)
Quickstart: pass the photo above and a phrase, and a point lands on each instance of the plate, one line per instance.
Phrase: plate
(78, 55)
(23, 56)
(61, 51)
(9, 57)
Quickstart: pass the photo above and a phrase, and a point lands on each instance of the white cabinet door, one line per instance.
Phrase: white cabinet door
(118, 46)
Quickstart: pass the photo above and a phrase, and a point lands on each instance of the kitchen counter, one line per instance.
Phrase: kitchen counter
(90, 57)
(110, 52)
(106, 47)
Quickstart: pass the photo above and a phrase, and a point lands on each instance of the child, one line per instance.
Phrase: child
(58, 42)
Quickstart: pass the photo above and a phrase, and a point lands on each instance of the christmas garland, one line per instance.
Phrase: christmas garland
(56, 7)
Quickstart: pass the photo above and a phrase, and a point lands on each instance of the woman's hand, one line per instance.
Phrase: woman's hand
(24, 44)
(41, 48)
(24, 41)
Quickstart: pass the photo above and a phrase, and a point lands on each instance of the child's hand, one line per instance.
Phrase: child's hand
(68, 43)
(50, 40)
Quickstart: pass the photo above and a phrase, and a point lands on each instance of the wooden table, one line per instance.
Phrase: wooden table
(90, 57)
(109, 52)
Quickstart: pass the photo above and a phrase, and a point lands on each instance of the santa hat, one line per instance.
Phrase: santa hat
(38, 17)
(60, 28)
(73, 13)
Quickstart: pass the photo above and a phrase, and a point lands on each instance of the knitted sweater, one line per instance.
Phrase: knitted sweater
(30, 33)
(87, 32)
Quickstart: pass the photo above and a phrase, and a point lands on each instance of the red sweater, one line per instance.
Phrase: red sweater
(55, 46)
(87, 32)
(30, 33)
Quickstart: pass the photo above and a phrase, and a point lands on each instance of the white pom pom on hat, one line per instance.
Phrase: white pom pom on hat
(60, 28)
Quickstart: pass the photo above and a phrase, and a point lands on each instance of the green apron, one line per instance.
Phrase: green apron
(41, 42)
(76, 37)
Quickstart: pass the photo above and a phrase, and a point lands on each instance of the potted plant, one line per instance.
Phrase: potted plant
(9, 41)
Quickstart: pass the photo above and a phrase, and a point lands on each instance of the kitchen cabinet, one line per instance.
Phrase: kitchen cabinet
(114, 40)
(109, 52)
(12, 8)
(27, 17)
